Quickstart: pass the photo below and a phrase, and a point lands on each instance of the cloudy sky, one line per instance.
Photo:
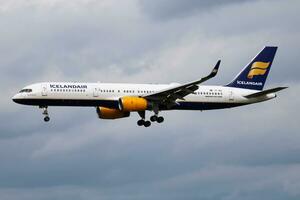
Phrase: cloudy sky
(249, 153)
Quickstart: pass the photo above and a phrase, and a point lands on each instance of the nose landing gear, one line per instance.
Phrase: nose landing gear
(47, 119)
(45, 113)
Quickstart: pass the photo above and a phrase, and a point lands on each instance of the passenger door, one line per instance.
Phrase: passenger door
(96, 92)
(231, 96)
(44, 89)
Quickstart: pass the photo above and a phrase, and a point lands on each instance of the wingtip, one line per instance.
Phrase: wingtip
(216, 68)
(218, 64)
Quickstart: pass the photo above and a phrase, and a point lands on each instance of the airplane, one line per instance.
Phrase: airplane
(114, 100)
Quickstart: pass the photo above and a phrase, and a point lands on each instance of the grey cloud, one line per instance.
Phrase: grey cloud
(244, 153)
(115, 158)
(29, 126)
(170, 9)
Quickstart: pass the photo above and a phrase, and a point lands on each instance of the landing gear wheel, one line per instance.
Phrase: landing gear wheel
(153, 118)
(141, 122)
(160, 119)
(147, 123)
(45, 113)
(47, 119)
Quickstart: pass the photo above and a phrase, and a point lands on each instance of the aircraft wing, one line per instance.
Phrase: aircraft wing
(170, 95)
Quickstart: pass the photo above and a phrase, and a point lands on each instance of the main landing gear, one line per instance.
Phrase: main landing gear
(154, 118)
(45, 113)
(142, 122)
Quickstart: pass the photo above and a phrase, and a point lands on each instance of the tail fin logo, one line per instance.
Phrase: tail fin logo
(258, 68)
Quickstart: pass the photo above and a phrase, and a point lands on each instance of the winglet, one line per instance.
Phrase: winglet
(215, 70)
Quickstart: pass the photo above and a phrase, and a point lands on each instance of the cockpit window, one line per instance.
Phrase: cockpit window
(25, 90)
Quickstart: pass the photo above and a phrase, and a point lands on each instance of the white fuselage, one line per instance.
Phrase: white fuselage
(108, 94)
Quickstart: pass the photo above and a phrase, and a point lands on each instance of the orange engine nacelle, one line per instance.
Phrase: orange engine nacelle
(110, 113)
(133, 104)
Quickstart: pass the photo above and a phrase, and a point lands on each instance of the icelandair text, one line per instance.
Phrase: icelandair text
(73, 86)
(249, 83)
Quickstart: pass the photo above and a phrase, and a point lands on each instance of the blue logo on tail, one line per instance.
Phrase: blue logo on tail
(254, 75)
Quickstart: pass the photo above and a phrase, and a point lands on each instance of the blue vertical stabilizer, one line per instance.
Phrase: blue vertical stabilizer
(254, 75)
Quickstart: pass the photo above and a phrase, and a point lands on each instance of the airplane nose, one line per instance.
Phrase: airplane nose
(16, 98)
(19, 99)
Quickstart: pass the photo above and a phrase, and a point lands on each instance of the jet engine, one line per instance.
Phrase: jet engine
(133, 104)
(110, 113)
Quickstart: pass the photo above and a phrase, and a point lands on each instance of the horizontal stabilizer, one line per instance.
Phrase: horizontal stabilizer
(257, 94)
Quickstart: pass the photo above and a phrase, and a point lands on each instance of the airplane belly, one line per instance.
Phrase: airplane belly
(69, 102)
(204, 105)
